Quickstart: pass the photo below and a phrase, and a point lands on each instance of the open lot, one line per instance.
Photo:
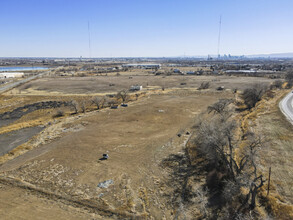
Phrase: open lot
(136, 138)
(62, 163)
(101, 84)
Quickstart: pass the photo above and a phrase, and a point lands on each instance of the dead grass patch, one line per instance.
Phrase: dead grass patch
(267, 119)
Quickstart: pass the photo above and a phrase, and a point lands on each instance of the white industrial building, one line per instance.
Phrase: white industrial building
(11, 74)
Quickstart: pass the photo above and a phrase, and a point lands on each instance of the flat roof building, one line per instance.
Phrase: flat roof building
(11, 74)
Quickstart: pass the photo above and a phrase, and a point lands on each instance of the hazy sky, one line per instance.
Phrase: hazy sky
(59, 28)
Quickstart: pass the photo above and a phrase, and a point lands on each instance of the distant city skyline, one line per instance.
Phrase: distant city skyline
(136, 28)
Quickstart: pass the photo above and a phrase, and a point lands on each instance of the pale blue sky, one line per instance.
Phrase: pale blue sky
(59, 28)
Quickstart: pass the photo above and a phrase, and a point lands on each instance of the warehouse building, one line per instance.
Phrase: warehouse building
(10, 75)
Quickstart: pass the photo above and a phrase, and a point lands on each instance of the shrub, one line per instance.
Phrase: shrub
(253, 95)
(59, 113)
(204, 85)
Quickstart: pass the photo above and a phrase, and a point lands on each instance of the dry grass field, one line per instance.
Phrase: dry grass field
(60, 168)
(101, 84)
(137, 139)
(277, 153)
(23, 204)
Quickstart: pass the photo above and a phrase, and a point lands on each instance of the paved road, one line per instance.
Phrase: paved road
(12, 85)
(286, 106)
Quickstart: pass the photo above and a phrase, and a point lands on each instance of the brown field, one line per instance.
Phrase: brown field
(61, 168)
(137, 138)
(18, 203)
(276, 152)
(100, 84)
(279, 152)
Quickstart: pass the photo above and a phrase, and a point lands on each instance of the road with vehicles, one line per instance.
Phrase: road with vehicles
(286, 106)
(4, 88)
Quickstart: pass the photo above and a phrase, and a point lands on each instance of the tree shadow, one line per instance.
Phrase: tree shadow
(184, 173)
(181, 172)
(241, 109)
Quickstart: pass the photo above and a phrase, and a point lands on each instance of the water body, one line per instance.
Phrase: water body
(21, 68)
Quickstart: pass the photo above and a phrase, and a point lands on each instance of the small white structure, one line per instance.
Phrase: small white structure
(135, 88)
(11, 74)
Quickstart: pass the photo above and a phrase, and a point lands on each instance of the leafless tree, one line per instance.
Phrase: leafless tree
(289, 78)
(202, 200)
(99, 102)
(253, 95)
(216, 140)
(123, 95)
(255, 180)
(277, 84)
(220, 107)
(83, 106)
(74, 105)
(112, 102)
(204, 85)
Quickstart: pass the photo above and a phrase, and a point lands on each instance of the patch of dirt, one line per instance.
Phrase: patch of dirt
(13, 139)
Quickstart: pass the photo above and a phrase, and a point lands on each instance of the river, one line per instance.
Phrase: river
(21, 68)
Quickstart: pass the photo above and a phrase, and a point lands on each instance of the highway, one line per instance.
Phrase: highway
(286, 106)
(15, 84)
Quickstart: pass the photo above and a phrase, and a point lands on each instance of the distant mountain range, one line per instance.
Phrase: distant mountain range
(273, 55)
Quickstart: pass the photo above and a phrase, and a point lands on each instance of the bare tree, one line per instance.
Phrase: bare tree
(204, 85)
(74, 105)
(83, 106)
(255, 181)
(289, 78)
(202, 200)
(99, 102)
(220, 107)
(277, 84)
(216, 140)
(122, 95)
(112, 102)
(253, 95)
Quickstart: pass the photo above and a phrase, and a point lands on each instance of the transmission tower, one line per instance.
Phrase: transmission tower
(219, 37)
(89, 35)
